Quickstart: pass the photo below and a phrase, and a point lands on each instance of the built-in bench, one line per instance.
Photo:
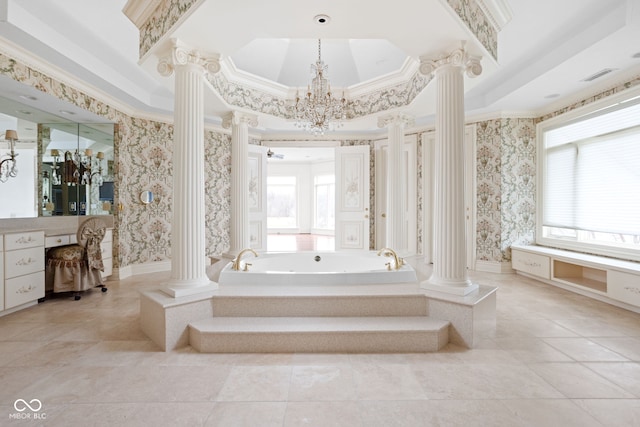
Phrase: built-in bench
(610, 280)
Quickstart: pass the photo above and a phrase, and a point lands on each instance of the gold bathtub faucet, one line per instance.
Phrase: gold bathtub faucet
(397, 261)
(236, 261)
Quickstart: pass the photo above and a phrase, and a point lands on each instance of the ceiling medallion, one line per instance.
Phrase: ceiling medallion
(319, 111)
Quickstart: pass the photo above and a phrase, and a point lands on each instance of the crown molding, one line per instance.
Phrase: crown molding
(591, 93)
(498, 11)
(27, 58)
(139, 11)
(251, 81)
(403, 75)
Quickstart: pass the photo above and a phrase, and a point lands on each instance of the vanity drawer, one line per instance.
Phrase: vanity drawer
(23, 289)
(23, 240)
(53, 241)
(23, 261)
(537, 265)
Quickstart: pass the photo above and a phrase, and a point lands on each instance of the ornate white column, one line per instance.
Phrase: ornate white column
(449, 259)
(188, 252)
(239, 233)
(396, 195)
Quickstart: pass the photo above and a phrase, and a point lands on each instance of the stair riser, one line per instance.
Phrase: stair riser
(320, 342)
(319, 306)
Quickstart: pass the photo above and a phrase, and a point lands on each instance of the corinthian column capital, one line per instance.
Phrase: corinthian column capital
(181, 54)
(458, 58)
(237, 117)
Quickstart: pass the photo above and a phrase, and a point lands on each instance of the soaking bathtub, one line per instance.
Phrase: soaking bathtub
(313, 268)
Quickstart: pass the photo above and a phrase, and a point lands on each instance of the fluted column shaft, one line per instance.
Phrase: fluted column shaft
(188, 240)
(239, 233)
(450, 266)
(449, 260)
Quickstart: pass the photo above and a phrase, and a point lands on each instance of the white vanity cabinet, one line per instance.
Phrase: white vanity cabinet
(23, 268)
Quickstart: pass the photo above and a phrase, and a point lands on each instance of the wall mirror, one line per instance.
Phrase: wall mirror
(77, 168)
(44, 184)
(146, 197)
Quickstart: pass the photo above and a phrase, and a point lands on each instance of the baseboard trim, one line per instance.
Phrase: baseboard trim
(137, 269)
(503, 267)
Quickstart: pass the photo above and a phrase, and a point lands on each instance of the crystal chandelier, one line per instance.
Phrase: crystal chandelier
(318, 111)
(8, 167)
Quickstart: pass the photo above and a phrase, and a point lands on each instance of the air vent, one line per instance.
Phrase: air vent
(598, 74)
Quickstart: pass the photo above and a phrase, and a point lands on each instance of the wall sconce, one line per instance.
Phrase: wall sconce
(8, 167)
(56, 178)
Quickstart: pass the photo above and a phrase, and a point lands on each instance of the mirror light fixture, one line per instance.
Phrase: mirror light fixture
(8, 167)
(319, 111)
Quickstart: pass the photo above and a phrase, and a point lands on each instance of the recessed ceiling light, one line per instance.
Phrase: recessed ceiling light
(322, 19)
(25, 112)
(70, 113)
(29, 97)
(553, 95)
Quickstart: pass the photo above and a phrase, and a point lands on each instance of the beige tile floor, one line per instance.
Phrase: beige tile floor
(556, 359)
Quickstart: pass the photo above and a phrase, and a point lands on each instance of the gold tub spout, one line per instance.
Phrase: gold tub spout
(236, 261)
(397, 261)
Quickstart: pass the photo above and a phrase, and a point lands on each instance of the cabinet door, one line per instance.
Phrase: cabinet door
(537, 265)
(624, 287)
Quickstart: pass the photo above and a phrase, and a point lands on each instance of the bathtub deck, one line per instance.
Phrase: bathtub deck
(319, 334)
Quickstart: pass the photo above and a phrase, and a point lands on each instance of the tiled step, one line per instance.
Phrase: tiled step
(377, 334)
(321, 305)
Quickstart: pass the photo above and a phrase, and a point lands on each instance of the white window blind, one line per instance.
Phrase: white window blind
(592, 178)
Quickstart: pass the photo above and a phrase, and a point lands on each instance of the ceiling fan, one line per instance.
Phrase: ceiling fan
(272, 155)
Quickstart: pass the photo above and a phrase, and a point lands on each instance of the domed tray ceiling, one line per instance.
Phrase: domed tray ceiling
(288, 61)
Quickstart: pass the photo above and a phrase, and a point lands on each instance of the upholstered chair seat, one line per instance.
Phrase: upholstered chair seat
(77, 267)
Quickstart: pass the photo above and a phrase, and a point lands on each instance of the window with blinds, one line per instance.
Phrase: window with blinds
(591, 182)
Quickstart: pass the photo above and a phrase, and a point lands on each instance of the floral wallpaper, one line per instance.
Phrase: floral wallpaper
(163, 18)
(145, 154)
(505, 186)
(475, 19)
(217, 191)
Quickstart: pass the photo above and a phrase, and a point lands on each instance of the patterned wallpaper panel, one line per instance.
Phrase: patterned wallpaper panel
(217, 191)
(166, 14)
(505, 186)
